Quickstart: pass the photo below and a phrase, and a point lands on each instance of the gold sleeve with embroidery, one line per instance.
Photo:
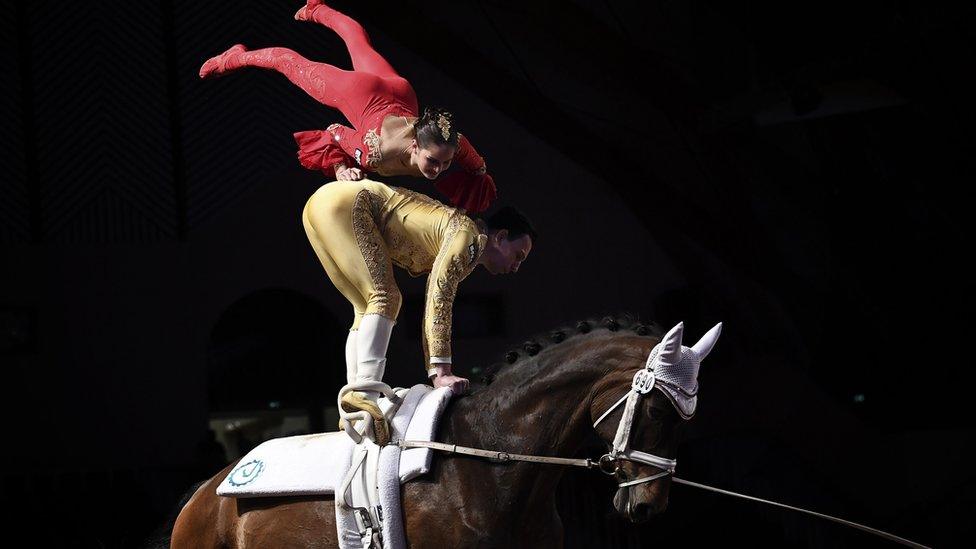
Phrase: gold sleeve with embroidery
(458, 256)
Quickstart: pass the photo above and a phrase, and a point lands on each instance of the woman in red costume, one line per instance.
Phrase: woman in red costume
(388, 136)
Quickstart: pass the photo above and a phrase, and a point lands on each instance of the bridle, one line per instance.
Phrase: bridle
(668, 367)
(643, 383)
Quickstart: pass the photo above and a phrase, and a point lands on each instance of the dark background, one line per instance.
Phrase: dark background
(797, 172)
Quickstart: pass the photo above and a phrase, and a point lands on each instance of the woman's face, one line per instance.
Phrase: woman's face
(434, 159)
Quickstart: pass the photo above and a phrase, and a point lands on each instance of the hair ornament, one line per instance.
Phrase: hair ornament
(444, 123)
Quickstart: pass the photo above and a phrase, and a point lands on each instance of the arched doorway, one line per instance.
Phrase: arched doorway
(274, 365)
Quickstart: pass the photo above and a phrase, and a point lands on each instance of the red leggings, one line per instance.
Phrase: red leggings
(365, 95)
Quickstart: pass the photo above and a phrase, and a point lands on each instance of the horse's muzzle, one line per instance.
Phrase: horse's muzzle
(639, 505)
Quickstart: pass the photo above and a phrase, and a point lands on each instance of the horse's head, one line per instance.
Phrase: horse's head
(641, 428)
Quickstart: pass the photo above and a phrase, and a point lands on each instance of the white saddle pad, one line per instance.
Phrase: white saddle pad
(316, 464)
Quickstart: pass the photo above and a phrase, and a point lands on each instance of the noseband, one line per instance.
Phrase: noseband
(644, 381)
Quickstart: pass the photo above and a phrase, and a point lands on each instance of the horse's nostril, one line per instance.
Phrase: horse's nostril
(640, 512)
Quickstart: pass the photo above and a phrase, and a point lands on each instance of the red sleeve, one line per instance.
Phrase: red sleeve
(466, 187)
(318, 150)
(472, 192)
(466, 157)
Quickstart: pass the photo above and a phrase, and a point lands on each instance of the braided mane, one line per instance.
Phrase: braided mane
(527, 350)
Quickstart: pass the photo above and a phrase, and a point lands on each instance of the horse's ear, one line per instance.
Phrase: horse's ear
(669, 349)
(705, 344)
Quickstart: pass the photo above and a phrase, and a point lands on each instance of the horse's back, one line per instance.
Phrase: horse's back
(208, 520)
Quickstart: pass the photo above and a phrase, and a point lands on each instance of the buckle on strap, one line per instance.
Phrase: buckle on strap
(370, 534)
(606, 462)
(365, 521)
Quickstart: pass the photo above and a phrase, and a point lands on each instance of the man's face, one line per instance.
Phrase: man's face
(503, 256)
(433, 160)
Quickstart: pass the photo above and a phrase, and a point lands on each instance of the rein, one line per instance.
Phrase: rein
(604, 462)
(644, 381)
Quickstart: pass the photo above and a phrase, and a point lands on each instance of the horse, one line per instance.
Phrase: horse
(543, 399)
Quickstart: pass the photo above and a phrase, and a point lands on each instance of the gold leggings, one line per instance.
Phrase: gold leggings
(339, 219)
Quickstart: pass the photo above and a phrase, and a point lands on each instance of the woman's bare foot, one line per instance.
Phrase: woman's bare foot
(304, 13)
(216, 66)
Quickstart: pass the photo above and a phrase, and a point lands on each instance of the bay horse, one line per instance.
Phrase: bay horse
(542, 400)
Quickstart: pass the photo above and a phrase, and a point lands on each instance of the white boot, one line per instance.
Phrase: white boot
(372, 342)
(351, 356)
(350, 364)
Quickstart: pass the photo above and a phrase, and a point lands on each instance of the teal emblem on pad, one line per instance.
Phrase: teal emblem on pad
(245, 474)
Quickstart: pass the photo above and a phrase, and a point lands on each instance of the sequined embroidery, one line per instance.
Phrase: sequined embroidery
(441, 290)
(406, 254)
(372, 142)
(366, 211)
(444, 291)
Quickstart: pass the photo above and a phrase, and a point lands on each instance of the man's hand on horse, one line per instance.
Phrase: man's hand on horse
(444, 378)
(350, 174)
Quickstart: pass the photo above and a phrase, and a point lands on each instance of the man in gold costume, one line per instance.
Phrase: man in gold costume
(360, 229)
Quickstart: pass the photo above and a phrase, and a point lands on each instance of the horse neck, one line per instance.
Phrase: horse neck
(545, 406)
